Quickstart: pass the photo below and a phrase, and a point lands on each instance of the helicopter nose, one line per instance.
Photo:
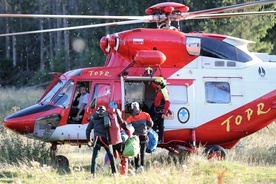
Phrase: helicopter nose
(19, 125)
(23, 121)
(35, 121)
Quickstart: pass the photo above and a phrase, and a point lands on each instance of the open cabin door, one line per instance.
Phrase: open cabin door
(181, 94)
(137, 89)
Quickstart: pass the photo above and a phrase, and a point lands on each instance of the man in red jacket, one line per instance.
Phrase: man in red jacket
(161, 106)
(141, 122)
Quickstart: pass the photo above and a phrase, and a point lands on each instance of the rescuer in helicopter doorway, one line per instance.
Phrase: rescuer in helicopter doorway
(161, 106)
(101, 139)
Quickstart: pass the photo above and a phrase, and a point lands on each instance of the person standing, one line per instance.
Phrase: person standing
(115, 130)
(161, 106)
(101, 139)
(141, 121)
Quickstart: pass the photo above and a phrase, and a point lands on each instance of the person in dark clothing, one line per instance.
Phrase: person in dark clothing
(100, 139)
(141, 121)
(161, 107)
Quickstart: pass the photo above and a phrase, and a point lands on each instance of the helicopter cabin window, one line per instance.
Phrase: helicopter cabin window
(101, 95)
(217, 92)
(64, 96)
(134, 91)
(53, 91)
(178, 94)
(218, 49)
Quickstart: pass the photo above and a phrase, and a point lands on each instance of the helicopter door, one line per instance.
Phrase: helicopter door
(180, 93)
(101, 95)
(182, 106)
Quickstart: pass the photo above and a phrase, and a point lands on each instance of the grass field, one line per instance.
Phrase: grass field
(252, 160)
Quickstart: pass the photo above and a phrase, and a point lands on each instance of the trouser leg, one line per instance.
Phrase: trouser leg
(141, 156)
(142, 153)
(136, 161)
(159, 125)
(160, 129)
(109, 151)
(95, 155)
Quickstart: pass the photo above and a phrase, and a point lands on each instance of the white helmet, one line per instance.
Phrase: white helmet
(101, 109)
(135, 105)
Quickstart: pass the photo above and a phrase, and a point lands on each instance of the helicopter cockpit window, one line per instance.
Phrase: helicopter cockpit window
(53, 91)
(64, 96)
(101, 95)
(218, 49)
(217, 92)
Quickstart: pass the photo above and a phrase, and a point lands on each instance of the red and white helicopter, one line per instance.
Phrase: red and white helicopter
(219, 91)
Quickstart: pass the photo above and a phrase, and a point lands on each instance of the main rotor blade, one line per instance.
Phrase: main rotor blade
(75, 16)
(77, 27)
(193, 15)
(228, 15)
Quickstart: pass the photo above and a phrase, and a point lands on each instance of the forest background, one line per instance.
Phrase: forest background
(27, 60)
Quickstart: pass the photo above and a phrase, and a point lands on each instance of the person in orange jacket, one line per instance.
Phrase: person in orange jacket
(141, 122)
(161, 106)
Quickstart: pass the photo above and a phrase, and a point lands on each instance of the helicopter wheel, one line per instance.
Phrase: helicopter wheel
(215, 152)
(61, 164)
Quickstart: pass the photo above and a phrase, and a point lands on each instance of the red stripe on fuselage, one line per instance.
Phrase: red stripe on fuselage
(227, 129)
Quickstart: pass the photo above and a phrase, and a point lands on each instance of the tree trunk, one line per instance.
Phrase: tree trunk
(58, 24)
(7, 39)
(14, 51)
(66, 40)
(41, 39)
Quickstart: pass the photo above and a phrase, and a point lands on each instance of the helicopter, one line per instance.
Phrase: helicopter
(219, 91)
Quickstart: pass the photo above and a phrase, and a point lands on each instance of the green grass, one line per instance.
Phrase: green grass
(195, 170)
(13, 99)
(252, 160)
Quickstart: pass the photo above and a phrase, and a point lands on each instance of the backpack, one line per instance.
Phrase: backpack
(132, 147)
(153, 140)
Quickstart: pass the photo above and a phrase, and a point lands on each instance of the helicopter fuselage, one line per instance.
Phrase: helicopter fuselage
(219, 91)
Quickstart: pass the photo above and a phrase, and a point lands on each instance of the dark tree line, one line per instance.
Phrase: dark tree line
(26, 60)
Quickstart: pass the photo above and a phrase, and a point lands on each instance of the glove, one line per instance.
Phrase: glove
(90, 143)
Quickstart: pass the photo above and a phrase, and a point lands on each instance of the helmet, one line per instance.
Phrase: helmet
(112, 105)
(135, 105)
(101, 109)
(159, 80)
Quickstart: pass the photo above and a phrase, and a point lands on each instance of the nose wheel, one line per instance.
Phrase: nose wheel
(60, 162)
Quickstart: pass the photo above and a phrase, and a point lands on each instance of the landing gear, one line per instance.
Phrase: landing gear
(215, 152)
(60, 162)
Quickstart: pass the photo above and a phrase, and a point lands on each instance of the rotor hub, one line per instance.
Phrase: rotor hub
(166, 8)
